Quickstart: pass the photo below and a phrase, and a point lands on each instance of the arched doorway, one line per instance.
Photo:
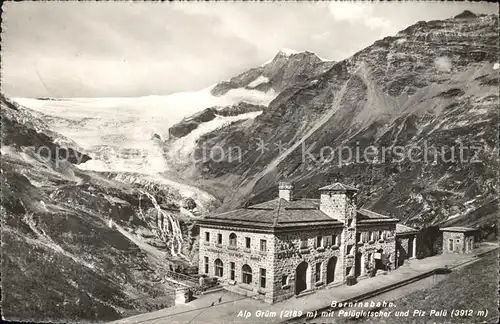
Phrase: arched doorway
(330, 269)
(218, 268)
(246, 274)
(301, 277)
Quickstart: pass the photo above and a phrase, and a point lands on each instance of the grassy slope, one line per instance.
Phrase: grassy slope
(474, 287)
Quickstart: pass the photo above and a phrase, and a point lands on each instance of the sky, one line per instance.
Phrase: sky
(124, 49)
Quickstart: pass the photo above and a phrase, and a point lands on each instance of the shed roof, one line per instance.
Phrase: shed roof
(458, 229)
(403, 229)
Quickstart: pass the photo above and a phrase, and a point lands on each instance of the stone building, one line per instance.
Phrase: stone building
(406, 243)
(458, 239)
(287, 246)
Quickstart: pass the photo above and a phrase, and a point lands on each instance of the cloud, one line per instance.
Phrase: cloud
(356, 13)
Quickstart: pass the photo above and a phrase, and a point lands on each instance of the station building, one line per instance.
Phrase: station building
(458, 239)
(286, 246)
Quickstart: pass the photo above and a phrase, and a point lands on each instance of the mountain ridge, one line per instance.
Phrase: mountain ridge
(402, 90)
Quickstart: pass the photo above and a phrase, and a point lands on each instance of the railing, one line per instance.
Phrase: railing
(181, 278)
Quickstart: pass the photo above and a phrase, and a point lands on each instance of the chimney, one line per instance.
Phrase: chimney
(286, 190)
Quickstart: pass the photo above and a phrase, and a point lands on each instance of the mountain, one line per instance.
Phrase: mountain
(433, 84)
(79, 245)
(119, 133)
(288, 69)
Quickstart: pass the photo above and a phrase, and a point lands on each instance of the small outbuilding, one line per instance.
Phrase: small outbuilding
(458, 239)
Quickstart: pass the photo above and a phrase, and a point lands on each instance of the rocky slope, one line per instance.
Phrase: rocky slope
(288, 68)
(433, 84)
(61, 261)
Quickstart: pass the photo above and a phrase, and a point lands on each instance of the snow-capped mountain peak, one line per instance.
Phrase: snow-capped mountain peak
(288, 51)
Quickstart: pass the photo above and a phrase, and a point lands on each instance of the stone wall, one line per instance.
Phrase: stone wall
(369, 241)
(405, 248)
(240, 255)
(338, 205)
(289, 255)
(462, 242)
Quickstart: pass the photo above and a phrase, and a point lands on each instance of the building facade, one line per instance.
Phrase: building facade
(458, 239)
(286, 246)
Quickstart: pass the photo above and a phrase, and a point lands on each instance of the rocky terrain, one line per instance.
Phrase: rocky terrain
(91, 236)
(434, 84)
(78, 245)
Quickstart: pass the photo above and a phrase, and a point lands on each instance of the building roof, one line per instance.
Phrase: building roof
(338, 187)
(403, 229)
(281, 213)
(458, 229)
(276, 213)
(365, 216)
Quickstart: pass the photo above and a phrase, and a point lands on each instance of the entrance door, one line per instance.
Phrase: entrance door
(410, 248)
(330, 270)
(357, 264)
(378, 259)
(301, 277)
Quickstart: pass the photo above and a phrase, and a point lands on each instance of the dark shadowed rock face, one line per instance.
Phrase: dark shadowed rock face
(432, 83)
(187, 125)
(465, 14)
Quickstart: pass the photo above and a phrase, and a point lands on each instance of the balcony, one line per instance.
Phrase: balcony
(232, 247)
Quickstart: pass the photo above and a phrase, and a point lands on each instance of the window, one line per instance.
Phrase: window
(263, 245)
(262, 278)
(319, 241)
(219, 238)
(247, 242)
(350, 250)
(349, 223)
(380, 235)
(450, 244)
(246, 274)
(206, 264)
(207, 236)
(218, 268)
(334, 239)
(231, 272)
(284, 280)
(318, 271)
(232, 239)
(358, 238)
(303, 244)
